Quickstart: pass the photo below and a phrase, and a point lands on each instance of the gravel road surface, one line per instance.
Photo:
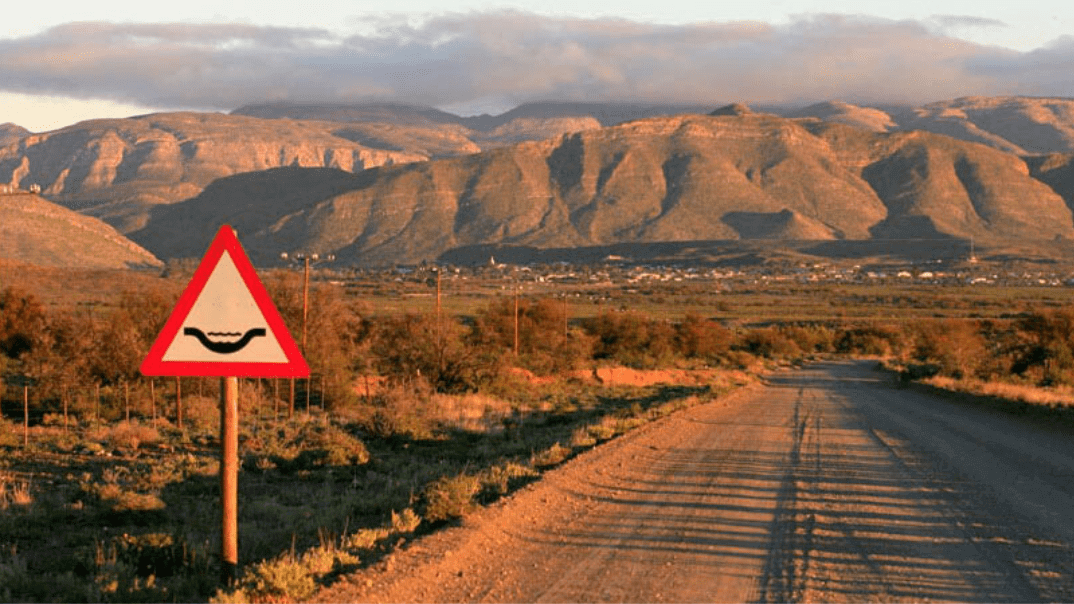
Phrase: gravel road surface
(826, 484)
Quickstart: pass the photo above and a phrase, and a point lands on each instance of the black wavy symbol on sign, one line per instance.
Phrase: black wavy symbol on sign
(223, 347)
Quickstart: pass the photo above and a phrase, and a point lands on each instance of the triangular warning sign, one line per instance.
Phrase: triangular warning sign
(224, 323)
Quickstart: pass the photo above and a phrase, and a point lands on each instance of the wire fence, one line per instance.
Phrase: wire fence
(178, 401)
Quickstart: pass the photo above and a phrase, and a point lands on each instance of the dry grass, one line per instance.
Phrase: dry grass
(14, 491)
(1057, 397)
(471, 412)
(128, 435)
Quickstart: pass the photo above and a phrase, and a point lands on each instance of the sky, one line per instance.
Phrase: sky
(63, 62)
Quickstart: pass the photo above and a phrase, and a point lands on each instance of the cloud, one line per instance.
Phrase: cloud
(964, 21)
(514, 57)
(1046, 71)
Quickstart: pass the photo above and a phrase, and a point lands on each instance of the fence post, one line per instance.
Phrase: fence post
(64, 397)
(25, 416)
(291, 408)
(178, 403)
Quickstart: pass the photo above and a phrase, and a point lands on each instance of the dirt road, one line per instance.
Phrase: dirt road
(828, 484)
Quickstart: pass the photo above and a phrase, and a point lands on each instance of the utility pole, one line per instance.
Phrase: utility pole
(306, 260)
(305, 300)
(438, 330)
(516, 319)
(566, 318)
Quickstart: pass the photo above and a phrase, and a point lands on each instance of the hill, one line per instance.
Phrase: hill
(734, 176)
(35, 231)
(11, 134)
(1020, 125)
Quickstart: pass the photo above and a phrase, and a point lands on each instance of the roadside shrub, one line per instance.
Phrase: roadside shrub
(874, 340)
(700, 338)
(449, 498)
(129, 435)
(810, 338)
(499, 480)
(546, 346)
(1046, 353)
(768, 342)
(631, 339)
(304, 446)
(552, 456)
(414, 348)
(281, 579)
(400, 410)
(956, 347)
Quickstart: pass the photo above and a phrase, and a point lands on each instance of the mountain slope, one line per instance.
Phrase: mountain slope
(1015, 124)
(690, 177)
(11, 133)
(866, 118)
(36, 231)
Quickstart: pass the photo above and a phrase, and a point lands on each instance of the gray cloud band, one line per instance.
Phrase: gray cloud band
(517, 57)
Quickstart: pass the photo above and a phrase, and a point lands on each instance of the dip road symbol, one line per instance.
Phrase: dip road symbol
(224, 346)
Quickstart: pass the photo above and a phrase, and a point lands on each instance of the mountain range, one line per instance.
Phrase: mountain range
(382, 184)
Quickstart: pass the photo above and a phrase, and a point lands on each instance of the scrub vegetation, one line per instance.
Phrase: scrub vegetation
(411, 420)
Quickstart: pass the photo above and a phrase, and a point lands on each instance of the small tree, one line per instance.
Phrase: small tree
(546, 345)
(22, 320)
(956, 347)
(407, 349)
(700, 338)
(632, 339)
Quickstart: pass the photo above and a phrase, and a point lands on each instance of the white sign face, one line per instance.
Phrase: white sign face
(225, 324)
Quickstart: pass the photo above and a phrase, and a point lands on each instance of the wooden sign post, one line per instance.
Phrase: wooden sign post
(225, 325)
(229, 478)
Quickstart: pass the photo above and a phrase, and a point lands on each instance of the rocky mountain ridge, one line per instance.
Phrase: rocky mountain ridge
(734, 175)
(117, 169)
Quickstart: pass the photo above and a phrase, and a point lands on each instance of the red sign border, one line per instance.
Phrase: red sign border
(225, 241)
